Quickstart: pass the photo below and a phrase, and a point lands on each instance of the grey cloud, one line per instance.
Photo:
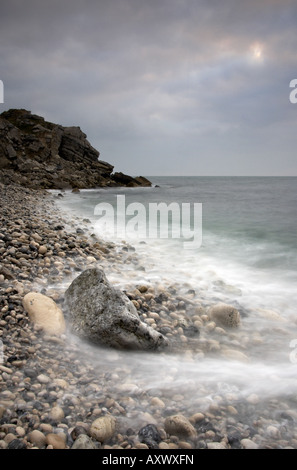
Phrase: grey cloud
(150, 80)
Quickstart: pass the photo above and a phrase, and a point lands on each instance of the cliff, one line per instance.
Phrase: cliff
(39, 154)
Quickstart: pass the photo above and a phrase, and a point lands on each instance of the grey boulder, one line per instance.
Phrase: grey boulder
(98, 312)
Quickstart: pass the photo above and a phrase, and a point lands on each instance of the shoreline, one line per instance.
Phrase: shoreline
(53, 388)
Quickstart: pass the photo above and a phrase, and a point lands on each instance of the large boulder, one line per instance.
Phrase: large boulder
(104, 315)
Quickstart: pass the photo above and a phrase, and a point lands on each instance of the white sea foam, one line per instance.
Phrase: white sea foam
(257, 274)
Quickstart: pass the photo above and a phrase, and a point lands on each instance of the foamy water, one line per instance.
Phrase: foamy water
(247, 258)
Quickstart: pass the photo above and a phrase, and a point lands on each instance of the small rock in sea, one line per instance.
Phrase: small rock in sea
(44, 312)
(179, 425)
(57, 413)
(17, 444)
(58, 441)
(197, 417)
(225, 315)
(37, 438)
(84, 442)
(77, 431)
(102, 429)
(7, 274)
(215, 445)
(43, 379)
(150, 436)
(235, 355)
(157, 402)
(248, 444)
(253, 399)
(42, 250)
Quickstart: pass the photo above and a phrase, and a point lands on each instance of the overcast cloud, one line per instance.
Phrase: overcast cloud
(177, 87)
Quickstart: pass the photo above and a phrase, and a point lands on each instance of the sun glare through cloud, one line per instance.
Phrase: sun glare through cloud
(256, 53)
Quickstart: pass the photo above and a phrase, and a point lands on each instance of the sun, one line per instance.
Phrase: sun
(256, 52)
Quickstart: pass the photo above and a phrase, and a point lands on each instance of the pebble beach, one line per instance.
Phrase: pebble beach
(57, 392)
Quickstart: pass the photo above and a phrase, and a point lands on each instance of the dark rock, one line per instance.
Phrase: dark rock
(32, 373)
(77, 431)
(17, 444)
(126, 180)
(143, 181)
(150, 436)
(85, 442)
(191, 331)
(39, 154)
(104, 315)
(6, 272)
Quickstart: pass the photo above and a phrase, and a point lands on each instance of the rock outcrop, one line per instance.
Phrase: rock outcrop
(39, 154)
(98, 312)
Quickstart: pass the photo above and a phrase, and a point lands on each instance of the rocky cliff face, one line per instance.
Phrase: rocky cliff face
(39, 154)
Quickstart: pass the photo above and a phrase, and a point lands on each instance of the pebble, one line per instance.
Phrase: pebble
(215, 445)
(20, 431)
(57, 413)
(57, 441)
(102, 429)
(248, 444)
(197, 417)
(84, 442)
(42, 250)
(157, 402)
(179, 425)
(253, 399)
(37, 438)
(43, 379)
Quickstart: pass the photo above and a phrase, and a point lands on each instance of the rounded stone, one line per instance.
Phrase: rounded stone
(179, 425)
(248, 444)
(102, 429)
(37, 438)
(20, 431)
(225, 315)
(44, 312)
(57, 413)
(84, 442)
(43, 379)
(157, 402)
(42, 250)
(216, 445)
(58, 441)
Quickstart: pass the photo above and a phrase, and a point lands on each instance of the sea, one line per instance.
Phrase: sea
(245, 255)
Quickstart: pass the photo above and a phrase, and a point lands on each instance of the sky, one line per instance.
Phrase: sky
(160, 87)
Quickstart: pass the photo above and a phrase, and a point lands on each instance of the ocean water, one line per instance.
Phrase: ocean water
(247, 258)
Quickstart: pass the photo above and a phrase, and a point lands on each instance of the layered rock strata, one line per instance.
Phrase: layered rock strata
(38, 154)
